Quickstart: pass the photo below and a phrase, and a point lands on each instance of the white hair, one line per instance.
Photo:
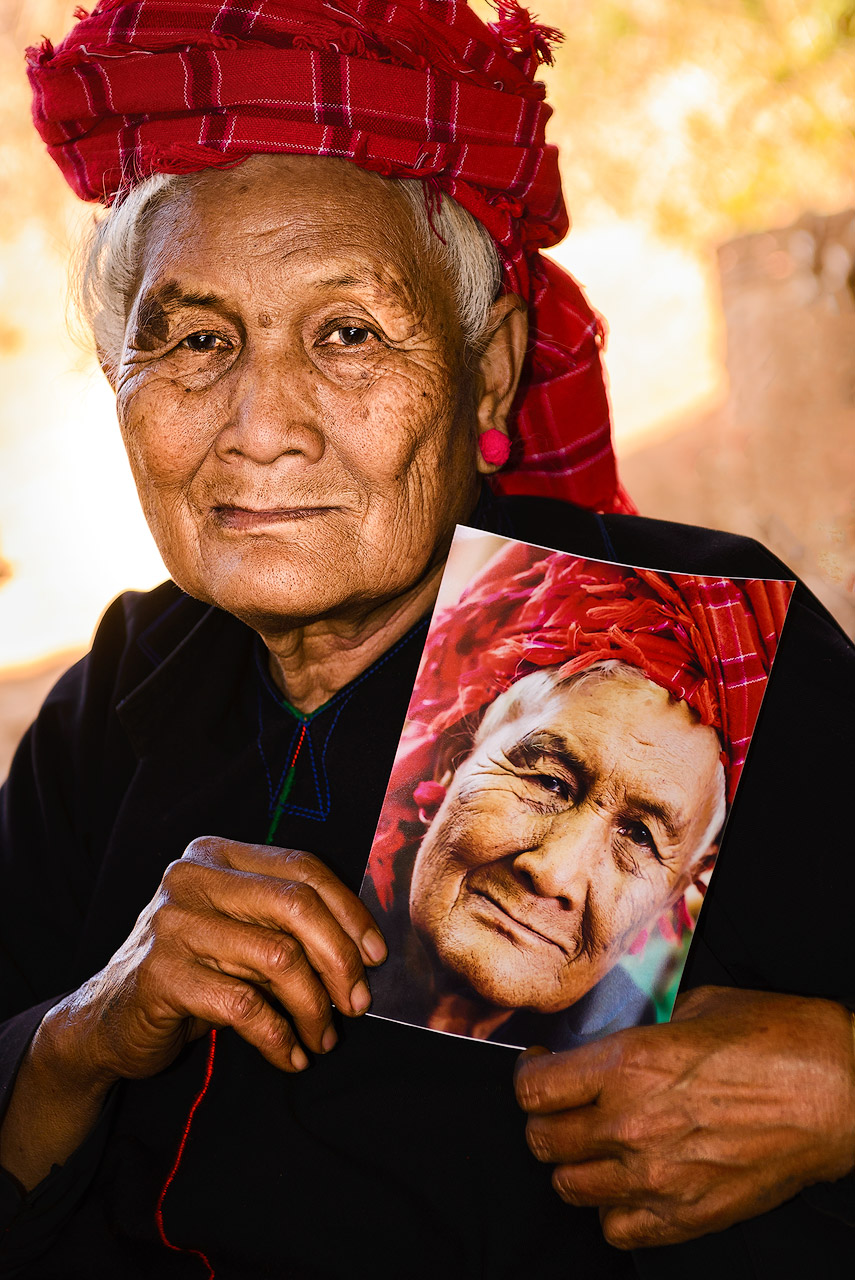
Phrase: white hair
(533, 691)
(110, 268)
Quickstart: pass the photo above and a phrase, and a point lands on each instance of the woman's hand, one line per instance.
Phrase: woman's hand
(232, 929)
(679, 1130)
(259, 939)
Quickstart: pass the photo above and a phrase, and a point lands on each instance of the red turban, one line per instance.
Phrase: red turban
(411, 89)
(709, 641)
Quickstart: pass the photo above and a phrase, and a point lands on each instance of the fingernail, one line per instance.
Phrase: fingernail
(374, 946)
(299, 1061)
(360, 997)
(529, 1055)
(329, 1040)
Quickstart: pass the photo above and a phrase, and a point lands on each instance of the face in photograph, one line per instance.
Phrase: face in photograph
(582, 813)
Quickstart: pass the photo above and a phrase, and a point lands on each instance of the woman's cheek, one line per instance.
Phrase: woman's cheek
(488, 823)
(393, 420)
(630, 903)
(165, 437)
(376, 439)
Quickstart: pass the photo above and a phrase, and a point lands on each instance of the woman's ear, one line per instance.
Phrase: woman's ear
(704, 869)
(497, 376)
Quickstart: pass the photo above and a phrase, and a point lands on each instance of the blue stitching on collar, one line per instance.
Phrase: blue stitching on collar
(344, 696)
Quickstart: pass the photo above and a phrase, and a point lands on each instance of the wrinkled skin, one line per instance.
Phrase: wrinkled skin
(299, 408)
(563, 834)
(678, 1130)
(301, 415)
(230, 924)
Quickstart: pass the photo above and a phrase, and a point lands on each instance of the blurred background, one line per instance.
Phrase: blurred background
(708, 156)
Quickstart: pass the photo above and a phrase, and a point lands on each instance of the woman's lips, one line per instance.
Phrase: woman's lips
(250, 519)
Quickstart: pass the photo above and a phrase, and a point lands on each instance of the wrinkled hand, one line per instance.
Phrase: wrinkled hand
(678, 1130)
(232, 928)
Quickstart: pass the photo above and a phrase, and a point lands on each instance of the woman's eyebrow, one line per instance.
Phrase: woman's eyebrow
(671, 819)
(158, 304)
(546, 742)
(341, 282)
(380, 285)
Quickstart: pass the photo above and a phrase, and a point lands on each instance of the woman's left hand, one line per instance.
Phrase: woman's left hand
(678, 1130)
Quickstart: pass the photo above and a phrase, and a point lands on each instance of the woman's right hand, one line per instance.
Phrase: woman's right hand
(260, 939)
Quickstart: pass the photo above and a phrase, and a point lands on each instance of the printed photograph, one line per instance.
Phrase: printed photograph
(571, 752)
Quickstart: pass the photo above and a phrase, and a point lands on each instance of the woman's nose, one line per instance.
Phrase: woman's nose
(564, 863)
(271, 414)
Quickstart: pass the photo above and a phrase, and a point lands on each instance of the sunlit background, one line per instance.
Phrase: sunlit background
(708, 161)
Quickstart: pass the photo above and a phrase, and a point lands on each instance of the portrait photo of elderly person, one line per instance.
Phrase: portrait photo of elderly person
(588, 724)
(315, 287)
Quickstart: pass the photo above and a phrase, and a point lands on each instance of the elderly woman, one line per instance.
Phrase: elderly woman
(574, 733)
(315, 369)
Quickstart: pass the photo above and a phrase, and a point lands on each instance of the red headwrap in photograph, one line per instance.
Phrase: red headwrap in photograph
(411, 89)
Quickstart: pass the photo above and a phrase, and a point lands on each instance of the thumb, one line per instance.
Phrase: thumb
(533, 1051)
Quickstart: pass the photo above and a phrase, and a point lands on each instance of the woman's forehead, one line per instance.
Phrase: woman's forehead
(321, 222)
(615, 722)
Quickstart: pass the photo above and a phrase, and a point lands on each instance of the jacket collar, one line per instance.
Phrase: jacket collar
(199, 653)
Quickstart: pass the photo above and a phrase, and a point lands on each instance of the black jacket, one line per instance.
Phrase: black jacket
(401, 1153)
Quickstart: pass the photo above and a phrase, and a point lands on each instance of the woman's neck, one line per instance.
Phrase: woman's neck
(310, 664)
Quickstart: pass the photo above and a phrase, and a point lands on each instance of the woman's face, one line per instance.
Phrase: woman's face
(563, 834)
(293, 394)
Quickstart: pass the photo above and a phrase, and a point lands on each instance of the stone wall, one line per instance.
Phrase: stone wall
(777, 462)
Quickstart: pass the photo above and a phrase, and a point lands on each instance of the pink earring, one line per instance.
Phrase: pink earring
(428, 797)
(495, 447)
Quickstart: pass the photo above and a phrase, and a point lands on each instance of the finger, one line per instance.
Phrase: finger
(288, 906)
(595, 1182)
(572, 1136)
(626, 1228)
(533, 1051)
(556, 1081)
(223, 1001)
(293, 864)
(270, 957)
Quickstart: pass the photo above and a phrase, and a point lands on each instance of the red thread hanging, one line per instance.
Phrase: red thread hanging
(209, 1068)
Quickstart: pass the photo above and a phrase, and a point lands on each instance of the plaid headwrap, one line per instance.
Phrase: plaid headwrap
(709, 641)
(411, 89)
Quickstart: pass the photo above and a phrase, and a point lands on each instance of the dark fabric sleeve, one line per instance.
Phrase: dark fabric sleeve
(29, 1222)
(56, 807)
(49, 832)
(834, 1198)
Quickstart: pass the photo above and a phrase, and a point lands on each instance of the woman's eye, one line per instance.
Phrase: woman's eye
(639, 834)
(203, 341)
(349, 335)
(555, 786)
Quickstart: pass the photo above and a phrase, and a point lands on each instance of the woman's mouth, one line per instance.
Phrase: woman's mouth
(508, 922)
(256, 519)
